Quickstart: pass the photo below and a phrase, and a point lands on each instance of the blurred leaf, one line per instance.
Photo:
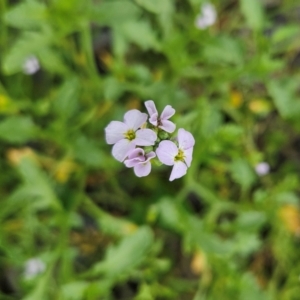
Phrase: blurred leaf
(126, 256)
(113, 12)
(242, 173)
(253, 12)
(30, 43)
(66, 100)
(86, 151)
(140, 33)
(144, 293)
(224, 49)
(250, 289)
(74, 290)
(284, 99)
(17, 129)
(155, 6)
(36, 186)
(28, 14)
(250, 220)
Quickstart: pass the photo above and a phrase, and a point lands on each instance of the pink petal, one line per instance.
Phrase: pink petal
(167, 113)
(168, 126)
(145, 137)
(136, 153)
(135, 119)
(142, 169)
(179, 170)
(153, 119)
(121, 149)
(188, 156)
(151, 108)
(114, 132)
(185, 139)
(166, 152)
(150, 155)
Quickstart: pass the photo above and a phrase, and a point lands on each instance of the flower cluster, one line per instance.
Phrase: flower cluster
(141, 138)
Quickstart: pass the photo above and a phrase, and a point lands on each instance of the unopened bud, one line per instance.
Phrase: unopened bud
(163, 135)
(148, 149)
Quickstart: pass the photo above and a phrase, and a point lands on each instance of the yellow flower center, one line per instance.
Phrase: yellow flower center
(180, 156)
(130, 135)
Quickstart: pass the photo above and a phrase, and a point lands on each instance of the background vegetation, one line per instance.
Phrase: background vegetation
(76, 224)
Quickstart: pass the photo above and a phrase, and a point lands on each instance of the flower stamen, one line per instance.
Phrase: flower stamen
(130, 135)
(180, 156)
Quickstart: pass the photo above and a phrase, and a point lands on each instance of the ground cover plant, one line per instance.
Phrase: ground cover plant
(78, 224)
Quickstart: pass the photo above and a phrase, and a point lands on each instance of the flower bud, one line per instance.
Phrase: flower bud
(163, 135)
(148, 149)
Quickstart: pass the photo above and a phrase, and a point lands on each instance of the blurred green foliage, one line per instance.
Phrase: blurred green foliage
(224, 231)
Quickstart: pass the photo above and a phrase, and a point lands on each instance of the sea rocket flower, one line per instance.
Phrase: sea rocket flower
(33, 267)
(126, 135)
(180, 157)
(207, 17)
(262, 168)
(162, 121)
(31, 65)
(140, 161)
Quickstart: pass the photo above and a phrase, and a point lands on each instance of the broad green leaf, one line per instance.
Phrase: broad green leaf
(113, 12)
(66, 100)
(242, 173)
(74, 290)
(30, 43)
(36, 186)
(250, 220)
(155, 6)
(284, 99)
(224, 49)
(139, 33)
(87, 152)
(253, 12)
(125, 257)
(28, 14)
(249, 289)
(17, 129)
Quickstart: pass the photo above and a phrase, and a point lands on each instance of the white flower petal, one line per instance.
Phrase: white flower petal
(145, 137)
(151, 108)
(135, 119)
(168, 126)
(114, 132)
(121, 148)
(166, 152)
(167, 113)
(142, 169)
(179, 170)
(188, 156)
(185, 139)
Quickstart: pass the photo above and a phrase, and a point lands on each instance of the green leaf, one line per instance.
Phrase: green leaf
(242, 173)
(86, 151)
(74, 290)
(126, 256)
(27, 15)
(66, 100)
(113, 12)
(224, 49)
(17, 129)
(284, 99)
(155, 6)
(253, 12)
(139, 33)
(30, 43)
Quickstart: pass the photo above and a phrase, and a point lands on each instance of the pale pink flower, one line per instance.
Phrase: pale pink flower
(180, 157)
(31, 65)
(162, 121)
(125, 136)
(139, 161)
(262, 168)
(207, 16)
